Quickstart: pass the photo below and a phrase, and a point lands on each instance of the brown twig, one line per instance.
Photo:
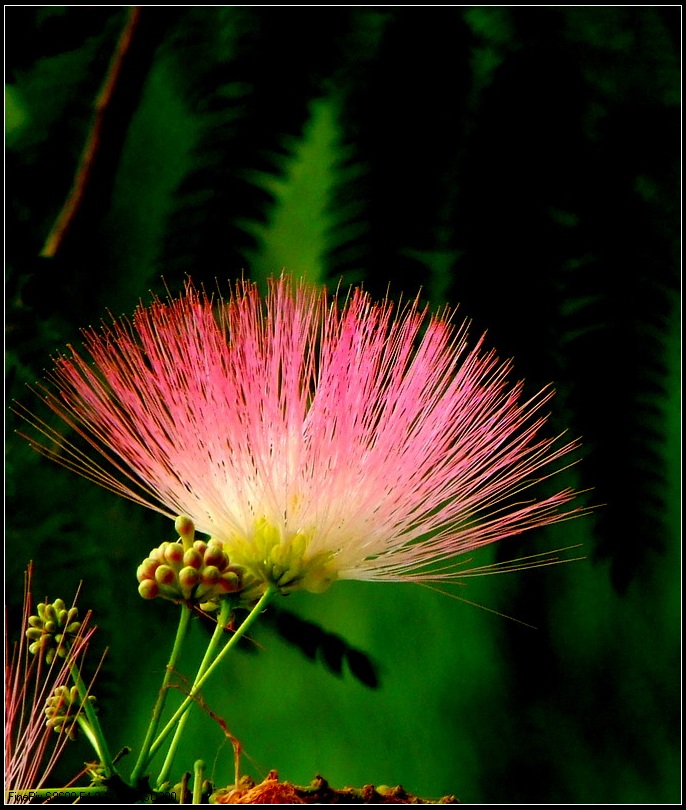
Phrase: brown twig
(90, 150)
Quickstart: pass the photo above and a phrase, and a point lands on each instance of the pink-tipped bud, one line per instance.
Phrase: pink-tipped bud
(186, 529)
(184, 525)
(199, 571)
(230, 582)
(173, 554)
(188, 579)
(157, 554)
(192, 558)
(146, 570)
(215, 555)
(148, 589)
(165, 575)
(211, 575)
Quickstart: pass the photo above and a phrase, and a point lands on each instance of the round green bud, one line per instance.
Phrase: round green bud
(52, 629)
(62, 708)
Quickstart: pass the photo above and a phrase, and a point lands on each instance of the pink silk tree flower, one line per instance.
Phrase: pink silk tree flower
(317, 439)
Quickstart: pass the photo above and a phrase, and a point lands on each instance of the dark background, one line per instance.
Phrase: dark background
(522, 162)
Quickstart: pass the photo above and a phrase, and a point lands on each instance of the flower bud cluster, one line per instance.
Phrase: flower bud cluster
(53, 630)
(200, 573)
(62, 709)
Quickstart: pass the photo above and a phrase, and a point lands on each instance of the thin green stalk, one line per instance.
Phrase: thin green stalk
(224, 615)
(198, 776)
(98, 739)
(144, 757)
(267, 596)
(92, 739)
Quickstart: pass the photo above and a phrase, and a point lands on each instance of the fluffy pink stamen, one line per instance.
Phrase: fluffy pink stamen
(382, 436)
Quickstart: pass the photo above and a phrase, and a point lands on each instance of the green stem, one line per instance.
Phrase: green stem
(92, 739)
(98, 738)
(145, 756)
(224, 615)
(198, 775)
(266, 597)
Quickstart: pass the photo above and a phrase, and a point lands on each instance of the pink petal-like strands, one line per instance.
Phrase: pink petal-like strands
(380, 436)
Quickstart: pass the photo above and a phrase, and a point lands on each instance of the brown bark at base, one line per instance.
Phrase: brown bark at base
(272, 791)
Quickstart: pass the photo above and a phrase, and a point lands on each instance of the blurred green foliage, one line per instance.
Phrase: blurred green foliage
(522, 162)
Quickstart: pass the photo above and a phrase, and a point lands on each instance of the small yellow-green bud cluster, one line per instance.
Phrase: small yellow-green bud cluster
(201, 573)
(53, 630)
(62, 709)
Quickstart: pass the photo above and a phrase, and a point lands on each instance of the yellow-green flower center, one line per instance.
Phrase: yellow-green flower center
(275, 558)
